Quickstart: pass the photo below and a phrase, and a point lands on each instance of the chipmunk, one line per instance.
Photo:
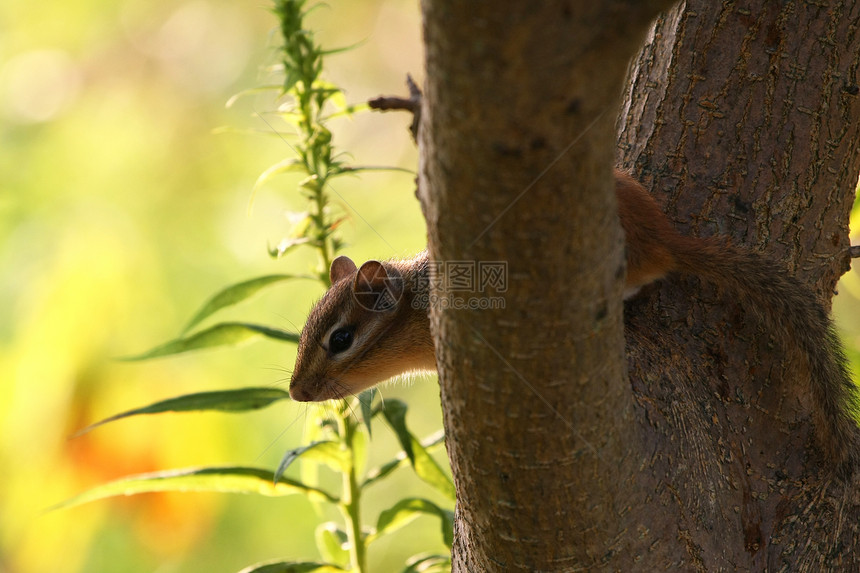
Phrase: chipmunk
(373, 324)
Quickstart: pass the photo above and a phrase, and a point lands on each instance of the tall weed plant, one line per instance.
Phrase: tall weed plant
(337, 436)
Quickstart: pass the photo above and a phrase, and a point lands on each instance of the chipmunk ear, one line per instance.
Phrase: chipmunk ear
(375, 288)
(341, 267)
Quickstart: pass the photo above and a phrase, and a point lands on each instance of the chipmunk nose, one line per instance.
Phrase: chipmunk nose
(300, 393)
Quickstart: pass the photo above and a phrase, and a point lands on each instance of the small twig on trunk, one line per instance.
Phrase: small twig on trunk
(854, 252)
(412, 104)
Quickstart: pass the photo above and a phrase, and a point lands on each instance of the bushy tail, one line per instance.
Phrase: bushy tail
(792, 312)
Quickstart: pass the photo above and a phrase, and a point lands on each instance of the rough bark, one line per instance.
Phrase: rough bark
(744, 118)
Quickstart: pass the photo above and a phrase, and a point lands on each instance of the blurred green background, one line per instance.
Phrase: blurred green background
(121, 211)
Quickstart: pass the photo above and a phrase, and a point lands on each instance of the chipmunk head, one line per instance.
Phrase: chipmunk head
(360, 333)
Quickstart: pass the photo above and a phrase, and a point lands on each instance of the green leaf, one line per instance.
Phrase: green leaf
(239, 400)
(223, 334)
(422, 462)
(428, 564)
(268, 132)
(325, 451)
(286, 245)
(290, 80)
(346, 110)
(431, 472)
(290, 165)
(407, 510)
(292, 567)
(283, 166)
(395, 413)
(344, 48)
(365, 399)
(359, 169)
(234, 294)
(432, 442)
(332, 542)
(250, 91)
(218, 479)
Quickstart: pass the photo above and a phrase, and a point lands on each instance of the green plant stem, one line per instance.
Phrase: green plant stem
(303, 65)
(321, 237)
(351, 505)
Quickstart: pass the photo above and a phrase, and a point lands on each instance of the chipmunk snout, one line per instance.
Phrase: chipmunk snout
(300, 393)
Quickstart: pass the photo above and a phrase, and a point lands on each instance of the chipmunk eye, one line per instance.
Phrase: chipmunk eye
(340, 340)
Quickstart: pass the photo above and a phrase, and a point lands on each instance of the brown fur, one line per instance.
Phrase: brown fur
(645, 230)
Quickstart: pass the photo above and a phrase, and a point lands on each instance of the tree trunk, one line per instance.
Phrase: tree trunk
(517, 151)
(745, 121)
